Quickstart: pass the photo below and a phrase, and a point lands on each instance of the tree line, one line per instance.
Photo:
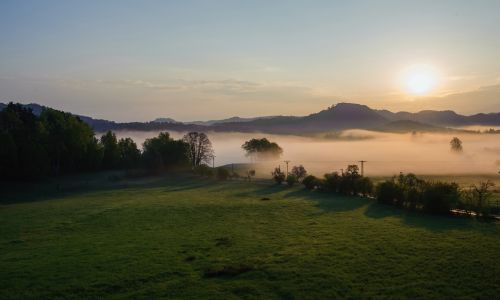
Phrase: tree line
(57, 143)
(406, 191)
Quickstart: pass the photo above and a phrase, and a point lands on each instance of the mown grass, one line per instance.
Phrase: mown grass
(186, 238)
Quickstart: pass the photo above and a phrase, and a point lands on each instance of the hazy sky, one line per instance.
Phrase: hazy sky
(138, 60)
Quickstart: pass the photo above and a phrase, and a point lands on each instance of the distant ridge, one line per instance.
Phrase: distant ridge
(337, 117)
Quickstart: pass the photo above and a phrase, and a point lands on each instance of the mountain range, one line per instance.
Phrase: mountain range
(335, 118)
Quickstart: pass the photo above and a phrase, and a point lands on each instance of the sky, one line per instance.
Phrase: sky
(199, 60)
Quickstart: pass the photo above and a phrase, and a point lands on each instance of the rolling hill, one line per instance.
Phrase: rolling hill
(338, 117)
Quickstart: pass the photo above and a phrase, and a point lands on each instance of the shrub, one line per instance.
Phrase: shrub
(278, 176)
(388, 192)
(477, 198)
(310, 182)
(222, 173)
(291, 179)
(364, 186)
(440, 197)
(331, 182)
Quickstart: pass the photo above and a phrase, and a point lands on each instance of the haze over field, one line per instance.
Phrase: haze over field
(386, 153)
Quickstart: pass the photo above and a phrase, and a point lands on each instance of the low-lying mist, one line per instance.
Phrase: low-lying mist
(385, 153)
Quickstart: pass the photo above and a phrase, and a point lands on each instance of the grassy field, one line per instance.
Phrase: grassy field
(185, 238)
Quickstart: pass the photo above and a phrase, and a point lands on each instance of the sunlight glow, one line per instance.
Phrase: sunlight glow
(420, 79)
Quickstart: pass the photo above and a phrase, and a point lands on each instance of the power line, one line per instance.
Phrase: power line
(287, 161)
(362, 167)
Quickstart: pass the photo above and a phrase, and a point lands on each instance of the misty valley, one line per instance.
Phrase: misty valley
(230, 149)
(386, 154)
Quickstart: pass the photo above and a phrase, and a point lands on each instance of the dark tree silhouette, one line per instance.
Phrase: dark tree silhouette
(299, 172)
(278, 175)
(199, 148)
(129, 154)
(163, 152)
(111, 152)
(262, 149)
(456, 145)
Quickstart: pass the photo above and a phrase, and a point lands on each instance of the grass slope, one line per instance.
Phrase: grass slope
(181, 238)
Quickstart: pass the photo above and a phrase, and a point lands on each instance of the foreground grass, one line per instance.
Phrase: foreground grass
(182, 238)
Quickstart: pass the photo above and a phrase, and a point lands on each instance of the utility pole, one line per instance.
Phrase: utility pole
(213, 161)
(286, 161)
(342, 172)
(362, 167)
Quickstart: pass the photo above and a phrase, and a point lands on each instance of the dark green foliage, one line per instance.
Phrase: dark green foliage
(310, 182)
(331, 182)
(57, 143)
(291, 179)
(262, 149)
(129, 154)
(111, 153)
(163, 152)
(409, 191)
(23, 151)
(477, 197)
(222, 173)
(70, 142)
(52, 144)
(388, 192)
(278, 175)
(364, 186)
(349, 183)
(440, 197)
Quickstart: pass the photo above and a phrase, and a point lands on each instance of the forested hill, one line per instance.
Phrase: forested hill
(337, 117)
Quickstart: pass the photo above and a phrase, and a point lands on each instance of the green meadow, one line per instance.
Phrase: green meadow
(182, 237)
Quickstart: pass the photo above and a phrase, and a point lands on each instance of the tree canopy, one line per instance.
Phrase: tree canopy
(262, 149)
(199, 148)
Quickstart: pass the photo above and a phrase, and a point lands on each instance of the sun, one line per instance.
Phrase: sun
(420, 79)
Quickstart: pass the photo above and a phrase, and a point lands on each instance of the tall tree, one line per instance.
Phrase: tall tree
(111, 154)
(163, 152)
(199, 148)
(23, 154)
(128, 152)
(70, 142)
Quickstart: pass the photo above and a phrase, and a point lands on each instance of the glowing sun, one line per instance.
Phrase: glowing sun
(420, 79)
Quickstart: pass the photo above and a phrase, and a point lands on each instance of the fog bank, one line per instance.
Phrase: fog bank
(385, 153)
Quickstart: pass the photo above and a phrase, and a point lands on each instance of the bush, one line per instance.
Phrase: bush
(278, 176)
(310, 182)
(388, 192)
(291, 179)
(222, 173)
(477, 199)
(331, 183)
(364, 186)
(440, 197)
(411, 192)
